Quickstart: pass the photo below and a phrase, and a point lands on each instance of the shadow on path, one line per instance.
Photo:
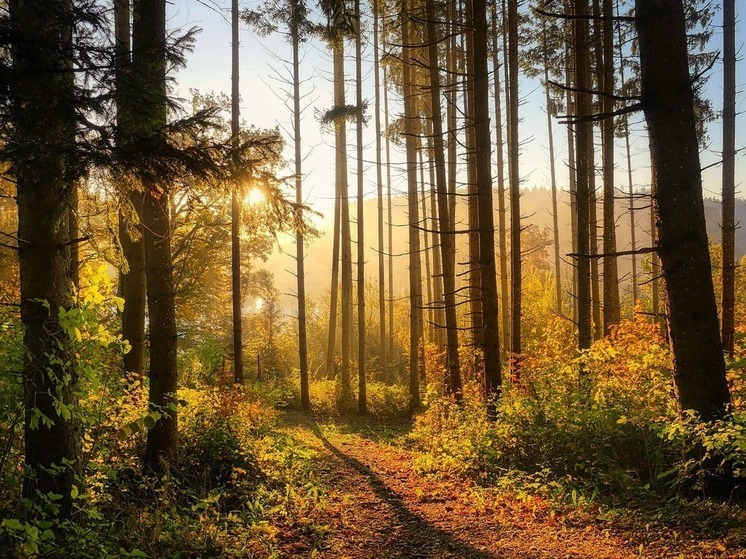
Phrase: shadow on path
(421, 539)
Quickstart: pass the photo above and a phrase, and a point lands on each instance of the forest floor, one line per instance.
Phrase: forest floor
(377, 506)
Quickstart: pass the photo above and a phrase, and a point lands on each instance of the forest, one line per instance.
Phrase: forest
(497, 311)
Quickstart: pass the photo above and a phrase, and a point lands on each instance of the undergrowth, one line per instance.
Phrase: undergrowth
(601, 427)
(238, 488)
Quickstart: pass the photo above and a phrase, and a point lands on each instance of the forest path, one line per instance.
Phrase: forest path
(379, 507)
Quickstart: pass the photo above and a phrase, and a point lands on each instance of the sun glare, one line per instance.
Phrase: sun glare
(259, 305)
(254, 197)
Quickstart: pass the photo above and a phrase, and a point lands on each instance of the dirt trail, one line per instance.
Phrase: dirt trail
(380, 508)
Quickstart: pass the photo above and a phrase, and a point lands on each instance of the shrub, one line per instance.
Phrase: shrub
(598, 430)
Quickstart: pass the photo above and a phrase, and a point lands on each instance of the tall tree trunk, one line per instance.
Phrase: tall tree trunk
(415, 279)
(131, 234)
(346, 241)
(426, 249)
(447, 237)
(612, 312)
(595, 72)
(655, 271)
(331, 345)
(488, 270)
(630, 187)
(501, 209)
(584, 134)
(238, 376)
(305, 399)
(632, 221)
(437, 277)
(475, 289)
(389, 218)
(451, 110)
(362, 406)
(515, 186)
(379, 191)
(149, 59)
(42, 114)
(729, 174)
(668, 103)
(572, 176)
(553, 178)
(593, 226)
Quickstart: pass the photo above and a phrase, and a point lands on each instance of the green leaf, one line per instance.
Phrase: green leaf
(65, 412)
(47, 535)
(124, 433)
(12, 524)
(74, 492)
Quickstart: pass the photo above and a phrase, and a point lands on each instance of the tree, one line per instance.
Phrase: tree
(389, 214)
(501, 210)
(474, 278)
(583, 142)
(668, 104)
(339, 26)
(552, 173)
(514, 180)
(293, 14)
(415, 281)
(729, 170)
(131, 234)
(298, 27)
(362, 406)
(149, 60)
(487, 267)
(42, 113)
(612, 312)
(379, 194)
(237, 302)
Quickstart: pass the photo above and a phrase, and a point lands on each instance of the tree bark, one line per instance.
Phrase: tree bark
(596, 310)
(379, 192)
(515, 188)
(729, 175)
(415, 275)
(447, 240)
(451, 110)
(300, 271)
(42, 114)
(389, 218)
(488, 271)
(345, 238)
(426, 249)
(238, 375)
(583, 132)
(612, 311)
(438, 316)
(475, 289)
(553, 178)
(362, 406)
(149, 59)
(572, 176)
(501, 209)
(668, 103)
(331, 346)
(131, 234)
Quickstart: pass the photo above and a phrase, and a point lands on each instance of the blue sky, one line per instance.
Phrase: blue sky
(264, 103)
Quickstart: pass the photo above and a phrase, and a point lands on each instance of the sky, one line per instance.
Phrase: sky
(265, 104)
